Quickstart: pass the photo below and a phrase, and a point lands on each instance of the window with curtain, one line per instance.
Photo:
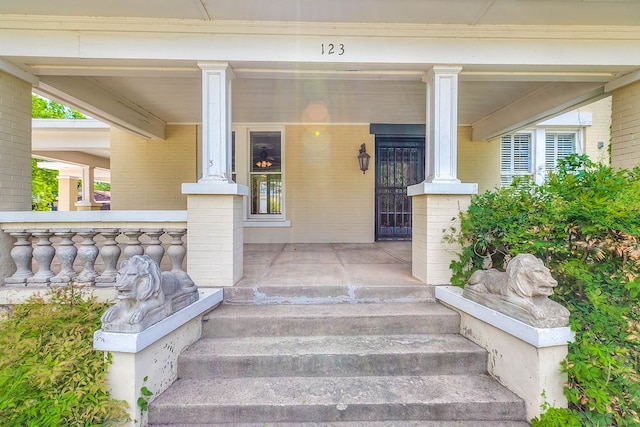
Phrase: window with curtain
(265, 170)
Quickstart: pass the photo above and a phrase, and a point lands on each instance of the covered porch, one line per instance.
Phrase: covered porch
(196, 93)
(88, 254)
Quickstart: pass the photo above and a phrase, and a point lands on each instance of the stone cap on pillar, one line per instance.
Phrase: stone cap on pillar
(215, 188)
(442, 188)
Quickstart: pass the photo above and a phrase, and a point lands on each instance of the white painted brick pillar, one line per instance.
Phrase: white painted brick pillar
(215, 202)
(15, 156)
(441, 197)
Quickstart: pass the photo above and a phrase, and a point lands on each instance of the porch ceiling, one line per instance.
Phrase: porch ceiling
(468, 12)
(280, 92)
(106, 58)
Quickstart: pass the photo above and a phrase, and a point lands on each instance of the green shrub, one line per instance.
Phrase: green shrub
(49, 373)
(584, 222)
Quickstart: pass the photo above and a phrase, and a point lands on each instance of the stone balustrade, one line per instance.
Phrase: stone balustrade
(86, 248)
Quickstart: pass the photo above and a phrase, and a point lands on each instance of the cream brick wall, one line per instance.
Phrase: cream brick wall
(148, 175)
(478, 161)
(15, 144)
(625, 127)
(432, 217)
(15, 156)
(600, 130)
(327, 198)
(214, 236)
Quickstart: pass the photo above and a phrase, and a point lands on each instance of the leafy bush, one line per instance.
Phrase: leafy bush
(49, 373)
(584, 222)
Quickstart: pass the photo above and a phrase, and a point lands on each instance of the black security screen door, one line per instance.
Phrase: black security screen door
(399, 164)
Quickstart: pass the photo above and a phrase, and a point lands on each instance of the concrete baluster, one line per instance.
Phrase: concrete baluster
(176, 251)
(43, 254)
(134, 247)
(87, 254)
(110, 253)
(66, 254)
(21, 255)
(154, 248)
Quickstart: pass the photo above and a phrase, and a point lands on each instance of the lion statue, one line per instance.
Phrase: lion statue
(144, 295)
(521, 292)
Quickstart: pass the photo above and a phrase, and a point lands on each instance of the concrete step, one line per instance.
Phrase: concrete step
(423, 423)
(441, 354)
(328, 294)
(303, 399)
(229, 321)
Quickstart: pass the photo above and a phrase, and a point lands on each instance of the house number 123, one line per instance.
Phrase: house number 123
(332, 49)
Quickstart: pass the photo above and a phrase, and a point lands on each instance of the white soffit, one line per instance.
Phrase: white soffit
(469, 12)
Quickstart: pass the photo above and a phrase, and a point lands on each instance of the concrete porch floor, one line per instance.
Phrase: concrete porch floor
(335, 264)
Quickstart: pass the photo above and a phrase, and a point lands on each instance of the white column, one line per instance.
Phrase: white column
(441, 195)
(216, 123)
(215, 202)
(88, 202)
(442, 125)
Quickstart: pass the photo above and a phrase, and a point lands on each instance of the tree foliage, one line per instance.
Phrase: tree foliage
(42, 108)
(44, 187)
(584, 222)
(44, 182)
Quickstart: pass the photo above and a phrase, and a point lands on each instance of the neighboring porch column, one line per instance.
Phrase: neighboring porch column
(625, 121)
(67, 193)
(88, 202)
(214, 204)
(15, 156)
(441, 196)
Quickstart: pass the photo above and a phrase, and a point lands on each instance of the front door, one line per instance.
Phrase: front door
(399, 163)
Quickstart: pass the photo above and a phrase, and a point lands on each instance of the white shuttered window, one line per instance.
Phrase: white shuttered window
(558, 146)
(515, 157)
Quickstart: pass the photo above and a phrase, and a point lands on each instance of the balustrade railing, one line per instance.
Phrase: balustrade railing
(77, 252)
(47, 252)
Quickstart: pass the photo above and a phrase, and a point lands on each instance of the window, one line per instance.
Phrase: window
(515, 157)
(558, 146)
(265, 174)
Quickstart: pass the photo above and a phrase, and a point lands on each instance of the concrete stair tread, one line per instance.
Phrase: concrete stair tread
(331, 310)
(333, 345)
(343, 356)
(422, 423)
(476, 397)
(330, 319)
(294, 293)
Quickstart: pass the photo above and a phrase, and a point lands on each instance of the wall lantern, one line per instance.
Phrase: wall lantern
(363, 159)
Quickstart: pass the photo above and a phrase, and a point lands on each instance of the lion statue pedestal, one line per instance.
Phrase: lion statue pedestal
(522, 292)
(145, 296)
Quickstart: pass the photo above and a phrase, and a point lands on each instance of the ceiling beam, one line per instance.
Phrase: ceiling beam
(75, 157)
(546, 102)
(623, 81)
(86, 95)
(18, 72)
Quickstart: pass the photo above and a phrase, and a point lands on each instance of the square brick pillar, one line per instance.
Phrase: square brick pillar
(67, 193)
(15, 156)
(625, 123)
(215, 233)
(435, 210)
